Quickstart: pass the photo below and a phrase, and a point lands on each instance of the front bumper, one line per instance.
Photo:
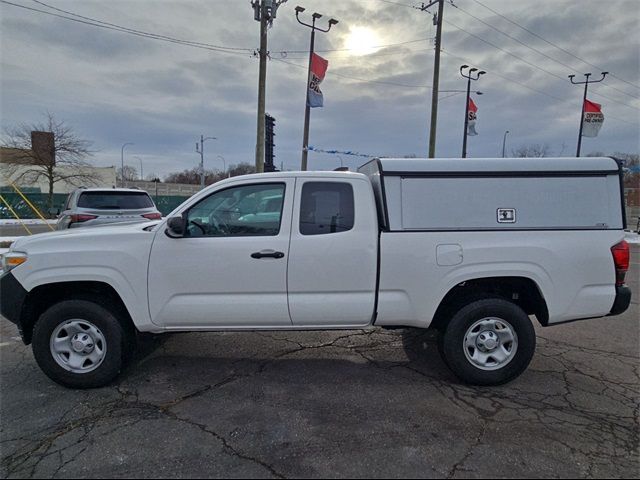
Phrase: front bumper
(622, 301)
(12, 297)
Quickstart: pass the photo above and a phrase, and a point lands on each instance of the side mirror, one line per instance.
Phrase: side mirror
(54, 212)
(175, 227)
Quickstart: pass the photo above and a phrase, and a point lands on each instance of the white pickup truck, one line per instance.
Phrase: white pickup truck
(471, 247)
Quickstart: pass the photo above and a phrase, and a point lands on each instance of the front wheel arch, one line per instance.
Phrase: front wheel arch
(44, 296)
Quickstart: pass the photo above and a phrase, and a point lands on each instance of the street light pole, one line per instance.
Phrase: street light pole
(307, 110)
(504, 141)
(584, 98)
(469, 77)
(122, 163)
(224, 164)
(201, 152)
(141, 172)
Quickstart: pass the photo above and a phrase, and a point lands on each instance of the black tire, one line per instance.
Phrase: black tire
(117, 338)
(452, 348)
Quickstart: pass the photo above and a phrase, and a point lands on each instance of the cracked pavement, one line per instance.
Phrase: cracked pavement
(331, 404)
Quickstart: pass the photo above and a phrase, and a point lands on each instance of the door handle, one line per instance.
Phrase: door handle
(267, 254)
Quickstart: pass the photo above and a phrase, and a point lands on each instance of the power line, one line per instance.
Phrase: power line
(551, 43)
(534, 49)
(92, 21)
(522, 59)
(138, 33)
(530, 63)
(382, 82)
(540, 92)
(351, 49)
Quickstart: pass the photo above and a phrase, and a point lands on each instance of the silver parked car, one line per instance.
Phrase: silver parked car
(88, 207)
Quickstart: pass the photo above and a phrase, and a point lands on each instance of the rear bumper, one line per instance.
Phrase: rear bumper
(622, 301)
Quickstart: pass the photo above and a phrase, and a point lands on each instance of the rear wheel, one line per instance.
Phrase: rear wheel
(488, 342)
(80, 344)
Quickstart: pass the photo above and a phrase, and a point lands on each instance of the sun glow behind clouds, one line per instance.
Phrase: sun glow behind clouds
(362, 41)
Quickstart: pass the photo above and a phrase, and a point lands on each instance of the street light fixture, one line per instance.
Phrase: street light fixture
(122, 162)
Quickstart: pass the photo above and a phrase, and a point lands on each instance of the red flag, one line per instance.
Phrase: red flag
(318, 69)
(593, 119)
(471, 121)
(472, 106)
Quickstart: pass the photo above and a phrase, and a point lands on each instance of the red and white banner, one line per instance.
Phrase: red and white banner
(471, 122)
(316, 75)
(593, 119)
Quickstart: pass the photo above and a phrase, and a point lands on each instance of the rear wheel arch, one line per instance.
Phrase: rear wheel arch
(522, 291)
(40, 298)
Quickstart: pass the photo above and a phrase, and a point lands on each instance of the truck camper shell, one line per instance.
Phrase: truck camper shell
(494, 194)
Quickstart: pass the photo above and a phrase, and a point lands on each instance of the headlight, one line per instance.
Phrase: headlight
(12, 259)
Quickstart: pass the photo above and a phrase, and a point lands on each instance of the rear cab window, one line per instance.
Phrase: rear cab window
(115, 200)
(326, 207)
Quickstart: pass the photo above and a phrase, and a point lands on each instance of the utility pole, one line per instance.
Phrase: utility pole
(504, 142)
(264, 11)
(437, 20)
(584, 98)
(307, 109)
(469, 77)
(201, 152)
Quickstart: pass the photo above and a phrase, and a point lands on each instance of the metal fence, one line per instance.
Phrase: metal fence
(165, 203)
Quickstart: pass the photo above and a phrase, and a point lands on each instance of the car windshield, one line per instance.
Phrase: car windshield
(115, 200)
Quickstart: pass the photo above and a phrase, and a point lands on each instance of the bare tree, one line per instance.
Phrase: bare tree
(130, 173)
(192, 176)
(67, 164)
(532, 150)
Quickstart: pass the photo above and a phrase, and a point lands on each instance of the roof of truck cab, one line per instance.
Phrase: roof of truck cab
(274, 175)
(479, 165)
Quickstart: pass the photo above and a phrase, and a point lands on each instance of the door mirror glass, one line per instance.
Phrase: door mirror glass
(175, 227)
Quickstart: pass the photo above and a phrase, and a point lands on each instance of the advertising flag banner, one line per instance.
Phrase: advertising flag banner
(593, 119)
(318, 69)
(471, 122)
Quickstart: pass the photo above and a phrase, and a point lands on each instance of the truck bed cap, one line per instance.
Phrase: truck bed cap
(396, 166)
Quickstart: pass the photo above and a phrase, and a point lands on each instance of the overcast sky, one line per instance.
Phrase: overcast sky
(114, 87)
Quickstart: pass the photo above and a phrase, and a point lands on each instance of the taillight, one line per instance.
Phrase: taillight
(620, 252)
(152, 216)
(79, 217)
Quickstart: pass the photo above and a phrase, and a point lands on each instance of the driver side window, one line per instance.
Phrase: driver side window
(248, 210)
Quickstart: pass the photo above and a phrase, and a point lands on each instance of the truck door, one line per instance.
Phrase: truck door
(230, 268)
(333, 253)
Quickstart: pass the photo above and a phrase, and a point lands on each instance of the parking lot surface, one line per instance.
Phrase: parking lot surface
(331, 404)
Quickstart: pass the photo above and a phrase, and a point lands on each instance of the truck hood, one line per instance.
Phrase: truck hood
(80, 238)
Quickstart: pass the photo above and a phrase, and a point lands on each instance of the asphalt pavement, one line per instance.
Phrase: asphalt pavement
(331, 404)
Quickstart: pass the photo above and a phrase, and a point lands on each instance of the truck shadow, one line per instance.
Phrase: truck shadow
(180, 363)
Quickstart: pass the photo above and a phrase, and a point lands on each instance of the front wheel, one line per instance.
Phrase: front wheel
(80, 344)
(488, 342)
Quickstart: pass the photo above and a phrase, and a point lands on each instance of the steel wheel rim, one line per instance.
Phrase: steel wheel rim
(490, 343)
(78, 346)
